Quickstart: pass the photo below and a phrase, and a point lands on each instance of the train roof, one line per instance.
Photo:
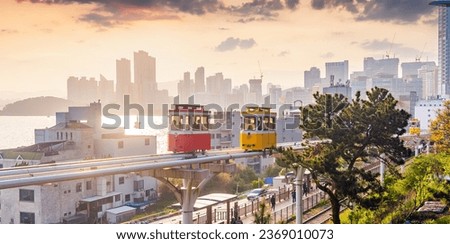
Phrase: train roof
(187, 108)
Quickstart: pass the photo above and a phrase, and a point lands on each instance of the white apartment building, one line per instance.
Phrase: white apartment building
(426, 111)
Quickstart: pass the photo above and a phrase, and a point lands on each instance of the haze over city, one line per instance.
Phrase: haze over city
(45, 42)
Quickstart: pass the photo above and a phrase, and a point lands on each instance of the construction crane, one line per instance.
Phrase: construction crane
(420, 56)
(260, 72)
(388, 53)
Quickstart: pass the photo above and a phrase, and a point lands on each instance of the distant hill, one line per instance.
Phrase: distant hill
(36, 106)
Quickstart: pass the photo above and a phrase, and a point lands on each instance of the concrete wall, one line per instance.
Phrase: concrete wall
(132, 146)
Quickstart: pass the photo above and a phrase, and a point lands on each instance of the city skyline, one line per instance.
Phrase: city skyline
(242, 39)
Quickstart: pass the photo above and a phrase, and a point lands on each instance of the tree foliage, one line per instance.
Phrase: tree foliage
(422, 181)
(353, 134)
(440, 129)
(262, 215)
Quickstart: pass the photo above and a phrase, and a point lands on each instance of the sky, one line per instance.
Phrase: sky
(43, 42)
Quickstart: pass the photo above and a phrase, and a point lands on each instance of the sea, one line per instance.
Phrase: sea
(18, 131)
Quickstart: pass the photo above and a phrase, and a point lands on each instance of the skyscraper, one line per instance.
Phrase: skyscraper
(387, 67)
(144, 77)
(200, 80)
(444, 45)
(256, 90)
(312, 77)
(338, 70)
(123, 79)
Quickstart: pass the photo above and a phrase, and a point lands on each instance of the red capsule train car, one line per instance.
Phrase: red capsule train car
(188, 131)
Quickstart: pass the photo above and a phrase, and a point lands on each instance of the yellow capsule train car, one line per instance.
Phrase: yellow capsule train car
(258, 129)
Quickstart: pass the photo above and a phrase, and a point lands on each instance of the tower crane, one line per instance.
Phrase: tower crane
(421, 53)
(260, 72)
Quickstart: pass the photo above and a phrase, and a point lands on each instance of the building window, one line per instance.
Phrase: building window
(127, 198)
(71, 136)
(26, 195)
(67, 135)
(57, 136)
(89, 146)
(147, 141)
(117, 198)
(139, 185)
(78, 187)
(1, 166)
(147, 193)
(218, 136)
(212, 136)
(27, 218)
(120, 144)
(121, 180)
(88, 185)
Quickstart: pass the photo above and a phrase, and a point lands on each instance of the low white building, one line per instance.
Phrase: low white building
(77, 136)
(426, 111)
(120, 214)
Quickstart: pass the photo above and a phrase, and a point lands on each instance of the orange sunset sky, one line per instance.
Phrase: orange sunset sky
(44, 42)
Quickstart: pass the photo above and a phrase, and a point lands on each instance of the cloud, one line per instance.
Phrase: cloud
(232, 43)
(387, 46)
(108, 13)
(292, 4)
(283, 54)
(327, 55)
(261, 10)
(8, 31)
(401, 11)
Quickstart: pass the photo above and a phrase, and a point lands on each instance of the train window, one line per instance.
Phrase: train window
(272, 123)
(249, 123)
(266, 123)
(205, 123)
(200, 123)
(176, 122)
(197, 123)
(187, 122)
(260, 123)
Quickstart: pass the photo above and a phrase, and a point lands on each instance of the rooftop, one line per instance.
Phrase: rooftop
(70, 125)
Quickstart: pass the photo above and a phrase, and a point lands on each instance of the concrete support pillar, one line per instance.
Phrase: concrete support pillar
(299, 194)
(189, 196)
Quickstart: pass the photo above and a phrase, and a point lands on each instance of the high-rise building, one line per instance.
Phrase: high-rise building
(73, 89)
(410, 69)
(185, 88)
(200, 80)
(123, 79)
(213, 83)
(105, 91)
(444, 45)
(340, 89)
(337, 71)
(256, 90)
(430, 80)
(381, 68)
(144, 77)
(312, 77)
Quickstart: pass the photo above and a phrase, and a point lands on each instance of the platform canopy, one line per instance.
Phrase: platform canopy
(210, 200)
